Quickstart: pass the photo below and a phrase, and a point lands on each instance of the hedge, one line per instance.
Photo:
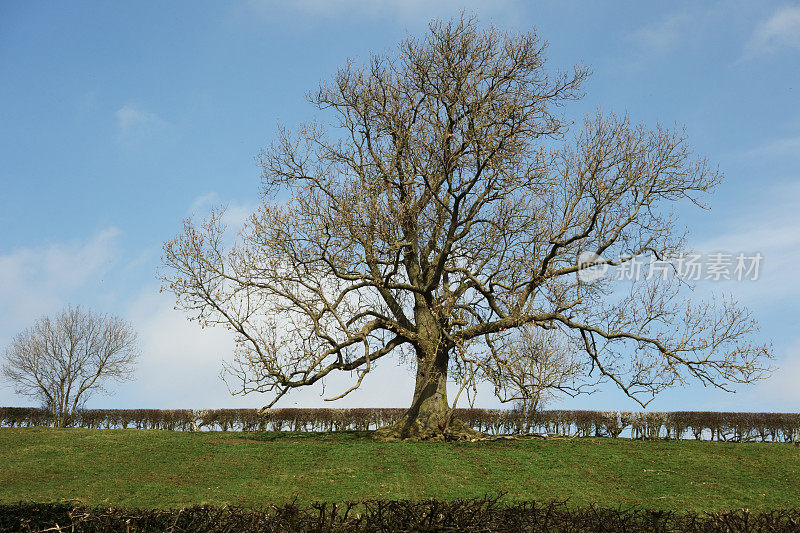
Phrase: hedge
(484, 514)
(775, 427)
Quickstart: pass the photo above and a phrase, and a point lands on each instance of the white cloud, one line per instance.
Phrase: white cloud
(770, 225)
(781, 30)
(780, 392)
(203, 203)
(236, 213)
(789, 146)
(40, 280)
(181, 362)
(134, 124)
(664, 35)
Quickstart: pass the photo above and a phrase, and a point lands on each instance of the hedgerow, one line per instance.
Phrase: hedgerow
(739, 427)
(483, 514)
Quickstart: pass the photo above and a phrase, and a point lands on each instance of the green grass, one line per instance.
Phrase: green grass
(169, 469)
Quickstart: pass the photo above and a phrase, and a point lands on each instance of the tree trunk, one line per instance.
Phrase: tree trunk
(429, 417)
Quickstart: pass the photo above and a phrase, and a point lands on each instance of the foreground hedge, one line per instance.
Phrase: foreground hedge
(775, 427)
(484, 514)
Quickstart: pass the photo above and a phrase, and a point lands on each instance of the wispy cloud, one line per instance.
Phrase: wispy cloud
(780, 31)
(788, 146)
(236, 213)
(664, 35)
(134, 124)
(780, 391)
(181, 363)
(776, 237)
(40, 280)
(203, 203)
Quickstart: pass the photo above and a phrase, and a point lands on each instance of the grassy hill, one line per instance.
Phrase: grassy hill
(134, 468)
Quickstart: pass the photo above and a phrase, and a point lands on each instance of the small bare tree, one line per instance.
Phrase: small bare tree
(445, 210)
(63, 360)
(538, 366)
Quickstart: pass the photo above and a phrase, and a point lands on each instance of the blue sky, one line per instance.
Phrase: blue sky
(119, 120)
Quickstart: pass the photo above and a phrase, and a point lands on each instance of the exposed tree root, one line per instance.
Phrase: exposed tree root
(413, 429)
(458, 431)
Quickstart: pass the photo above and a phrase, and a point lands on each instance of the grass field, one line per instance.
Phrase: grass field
(169, 469)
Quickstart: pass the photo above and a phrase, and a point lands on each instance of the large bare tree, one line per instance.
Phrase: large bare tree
(63, 360)
(442, 206)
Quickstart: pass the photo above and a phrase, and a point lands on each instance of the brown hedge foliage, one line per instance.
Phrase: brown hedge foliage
(739, 427)
(483, 514)
(24, 417)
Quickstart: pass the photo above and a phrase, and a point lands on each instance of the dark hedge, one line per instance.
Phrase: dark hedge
(484, 514)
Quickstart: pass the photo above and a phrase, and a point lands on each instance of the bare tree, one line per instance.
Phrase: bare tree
(447, 208)
(538, 366)
(63, 360)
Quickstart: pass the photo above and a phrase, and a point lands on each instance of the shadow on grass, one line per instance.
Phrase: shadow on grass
(293, 436)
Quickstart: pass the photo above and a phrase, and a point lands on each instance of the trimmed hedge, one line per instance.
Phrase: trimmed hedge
(484, 514)
(775, 427)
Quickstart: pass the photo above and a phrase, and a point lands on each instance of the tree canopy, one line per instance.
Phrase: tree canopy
(61, 361)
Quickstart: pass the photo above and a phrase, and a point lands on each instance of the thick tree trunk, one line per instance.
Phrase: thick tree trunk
(429, 417)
